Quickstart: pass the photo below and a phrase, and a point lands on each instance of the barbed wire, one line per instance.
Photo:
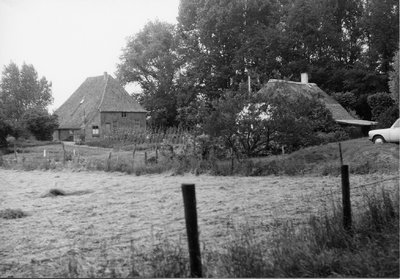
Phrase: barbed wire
(119, 235)
(355, 187)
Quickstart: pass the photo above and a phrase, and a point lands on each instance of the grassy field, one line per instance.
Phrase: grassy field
(361, 155)
(112, 224)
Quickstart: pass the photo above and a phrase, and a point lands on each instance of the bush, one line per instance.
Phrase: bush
(379, 103)
(40, 123)
(388, 117)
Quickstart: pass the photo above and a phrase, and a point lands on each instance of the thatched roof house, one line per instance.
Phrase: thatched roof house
(293, 89)
(98, 107)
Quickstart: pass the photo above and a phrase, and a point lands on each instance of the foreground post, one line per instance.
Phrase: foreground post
(346, 198)
(189, 201)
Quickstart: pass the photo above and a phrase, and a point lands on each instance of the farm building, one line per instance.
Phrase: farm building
(96, 109)
(293, 89)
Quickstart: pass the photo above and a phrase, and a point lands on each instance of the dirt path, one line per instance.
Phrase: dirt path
(121, 207)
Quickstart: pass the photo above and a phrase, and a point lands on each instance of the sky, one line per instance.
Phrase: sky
(67, 41)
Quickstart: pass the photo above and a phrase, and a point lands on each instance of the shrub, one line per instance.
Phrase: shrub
(40, 123)
(388, 117)
(379, 103)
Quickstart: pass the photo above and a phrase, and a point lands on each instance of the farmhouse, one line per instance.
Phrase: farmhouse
(96, 109)
(293, 89)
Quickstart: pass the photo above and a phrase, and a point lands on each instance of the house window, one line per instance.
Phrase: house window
(123, 114)
(95, 130)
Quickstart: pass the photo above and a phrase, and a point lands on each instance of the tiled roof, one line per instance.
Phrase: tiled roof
(100, 93)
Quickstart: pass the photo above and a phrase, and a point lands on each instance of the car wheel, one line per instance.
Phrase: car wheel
(379, 140)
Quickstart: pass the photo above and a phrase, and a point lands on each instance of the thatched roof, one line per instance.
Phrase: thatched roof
(293, 89)
(96, 94)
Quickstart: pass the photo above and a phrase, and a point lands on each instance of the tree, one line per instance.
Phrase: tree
(379, 103)
(5, 129)
(254, 124)
(21, 90)
(380, 25)
(150, 59)
(299, 122)
(394, 78)
(40, 123)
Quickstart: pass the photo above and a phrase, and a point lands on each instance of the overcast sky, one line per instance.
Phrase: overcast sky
(69, 40)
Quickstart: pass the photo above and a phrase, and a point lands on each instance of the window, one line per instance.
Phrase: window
(95, 130)
(123, 114)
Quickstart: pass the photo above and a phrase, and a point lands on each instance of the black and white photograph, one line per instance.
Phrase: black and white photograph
(199, 138)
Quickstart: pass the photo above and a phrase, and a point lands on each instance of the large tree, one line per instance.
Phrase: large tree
(151, 60)
(21, 90)
(394, 78)
(381, 28)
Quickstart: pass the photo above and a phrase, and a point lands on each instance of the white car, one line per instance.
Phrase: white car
(391, 134)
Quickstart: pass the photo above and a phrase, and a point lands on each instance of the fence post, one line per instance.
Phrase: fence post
(109, 162)
(133, 158)
(156, 153)
(347, 222)
(341, 156)
(63, 152)
(189, 202)
(15, 152)
(145, 157)
(232, 161)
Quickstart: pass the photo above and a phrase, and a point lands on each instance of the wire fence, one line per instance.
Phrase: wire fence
(116, 239)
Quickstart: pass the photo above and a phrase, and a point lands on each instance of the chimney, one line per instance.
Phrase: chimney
(105, 75)
(304, 78)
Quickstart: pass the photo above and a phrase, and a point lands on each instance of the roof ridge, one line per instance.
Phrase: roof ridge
(289, 81)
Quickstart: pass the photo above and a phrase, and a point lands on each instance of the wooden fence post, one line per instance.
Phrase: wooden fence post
(189, 201)
(63, 152)
(109, 162)
(156, 153)
(341, 156)
(232, 160)
(347, 222)
(133, 158)
(15, 152)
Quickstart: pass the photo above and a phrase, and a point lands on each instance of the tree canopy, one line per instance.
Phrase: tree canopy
(24, 99)
(21, 90)
(345, 46)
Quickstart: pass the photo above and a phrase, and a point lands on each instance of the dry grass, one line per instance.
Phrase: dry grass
(96, 229)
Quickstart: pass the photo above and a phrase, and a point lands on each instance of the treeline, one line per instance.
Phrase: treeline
(346, 46)
(24, 98)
